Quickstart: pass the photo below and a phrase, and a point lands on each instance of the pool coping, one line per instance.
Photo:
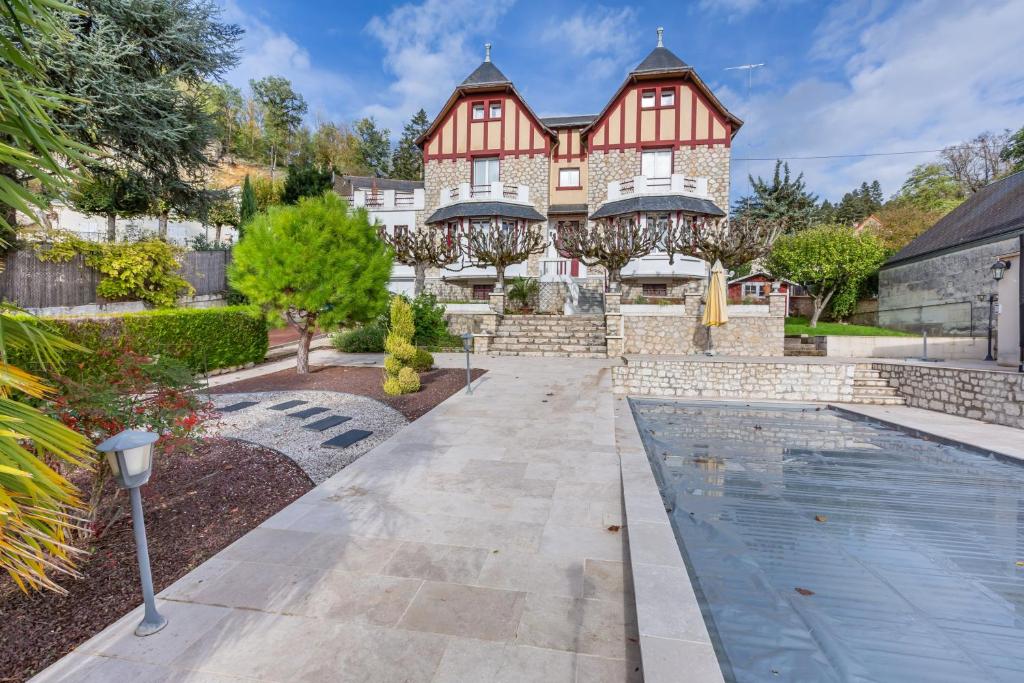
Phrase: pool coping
(673, 635)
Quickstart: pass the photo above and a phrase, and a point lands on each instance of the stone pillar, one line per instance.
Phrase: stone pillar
(777, 304)
(488, 328)
(692, 303)
(613, 324)
(497, 301)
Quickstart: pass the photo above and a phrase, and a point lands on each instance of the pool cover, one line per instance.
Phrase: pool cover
(826, 547)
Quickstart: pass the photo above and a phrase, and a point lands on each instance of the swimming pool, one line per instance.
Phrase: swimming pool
(826, 547)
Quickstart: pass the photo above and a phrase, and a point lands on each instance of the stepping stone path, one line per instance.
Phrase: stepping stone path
(238, 406)
(326, 423)
(308, 412)
(347, 439)
(286, 405)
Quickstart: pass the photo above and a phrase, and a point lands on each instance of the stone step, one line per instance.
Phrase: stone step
(879, 400)
(875, 391)
(550, 354)
(568, 348)
(552, 339)
(869, 382)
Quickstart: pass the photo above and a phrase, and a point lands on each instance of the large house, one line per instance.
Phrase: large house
(658, 150)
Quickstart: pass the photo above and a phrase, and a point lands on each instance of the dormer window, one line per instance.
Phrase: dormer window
(647, 99)
(478, 112)
(495, 110)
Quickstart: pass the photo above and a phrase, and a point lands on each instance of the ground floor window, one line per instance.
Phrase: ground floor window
(655, 289)
(482, 292)
(753, 289)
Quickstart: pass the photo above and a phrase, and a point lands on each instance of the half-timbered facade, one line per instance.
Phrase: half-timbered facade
(659, 150)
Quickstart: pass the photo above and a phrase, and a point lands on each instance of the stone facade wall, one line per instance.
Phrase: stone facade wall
(632, 289)
(945, 294)
(606, 167)
(724, 379)
(530, 171)
(711, 163)
(450, 290)
(996, 397)
(684, 335)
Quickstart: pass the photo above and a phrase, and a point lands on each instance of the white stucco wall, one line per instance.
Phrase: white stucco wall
(1009, 313)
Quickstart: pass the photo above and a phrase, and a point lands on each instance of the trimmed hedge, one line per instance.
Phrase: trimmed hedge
(201, 338)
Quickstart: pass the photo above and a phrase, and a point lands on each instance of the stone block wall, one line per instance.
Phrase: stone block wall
(708, 162)
(632, 289)
(606, 167)
(945, 294)
(991, 396)
(709, 378)
(684, 335)
(531, 171)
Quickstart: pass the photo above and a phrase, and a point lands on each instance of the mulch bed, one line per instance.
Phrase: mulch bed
(435, 385)
(196, 504)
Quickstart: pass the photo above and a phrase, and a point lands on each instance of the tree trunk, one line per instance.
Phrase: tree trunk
(819, 305)
(111, 227)
(614, 279)
(420, 269)
(216, 239)
(500, 285)
(161, 225)
(273, 161)
(302, 358)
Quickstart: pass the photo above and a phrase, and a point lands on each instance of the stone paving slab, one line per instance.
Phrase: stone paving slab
(473, 545)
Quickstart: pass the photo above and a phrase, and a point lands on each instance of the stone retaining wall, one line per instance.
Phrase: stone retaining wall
(996, 397)
(673, 333)
(734, 380)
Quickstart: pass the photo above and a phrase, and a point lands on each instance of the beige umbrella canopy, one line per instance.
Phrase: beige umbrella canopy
(714, 309)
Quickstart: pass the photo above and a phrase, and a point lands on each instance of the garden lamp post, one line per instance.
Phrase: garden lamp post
(467, 344)
(130, 455)
(998, 270)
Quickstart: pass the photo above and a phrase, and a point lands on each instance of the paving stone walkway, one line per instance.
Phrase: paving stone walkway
(480, 543)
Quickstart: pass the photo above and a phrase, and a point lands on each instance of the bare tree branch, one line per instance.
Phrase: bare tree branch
(735, 242)
(500, 245)
(422, 248)
(612, 244)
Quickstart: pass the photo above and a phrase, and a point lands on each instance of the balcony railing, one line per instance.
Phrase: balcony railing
(493, 192)
(644, 185)
(388, 200)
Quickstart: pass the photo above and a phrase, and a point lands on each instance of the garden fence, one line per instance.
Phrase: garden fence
(27, 282)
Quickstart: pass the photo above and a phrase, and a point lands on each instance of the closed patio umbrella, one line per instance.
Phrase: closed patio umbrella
(714, 308)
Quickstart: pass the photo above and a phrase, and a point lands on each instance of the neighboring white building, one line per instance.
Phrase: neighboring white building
(94, 228)
(391, 203)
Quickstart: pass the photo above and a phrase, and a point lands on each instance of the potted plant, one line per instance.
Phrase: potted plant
(523, 291)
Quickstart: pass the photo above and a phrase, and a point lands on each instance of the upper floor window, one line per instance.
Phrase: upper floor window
(568, 177)
(485, 171)
(495, 110)
(478, 111)
(647, 98)
(656, 163)
(668, 97)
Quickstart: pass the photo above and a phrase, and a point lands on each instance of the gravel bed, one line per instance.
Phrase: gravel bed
(276, 429)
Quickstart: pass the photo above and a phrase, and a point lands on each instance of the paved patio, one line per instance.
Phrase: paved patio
(484, 542)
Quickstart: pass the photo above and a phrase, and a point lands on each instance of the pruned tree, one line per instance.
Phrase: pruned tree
(736, 241)
(223, 211)
(609, 244)
(111, 195)
(501, 244)
(315, 264)
(422, 248)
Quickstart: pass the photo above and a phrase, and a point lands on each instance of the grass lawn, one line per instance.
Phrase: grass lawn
(797, 326)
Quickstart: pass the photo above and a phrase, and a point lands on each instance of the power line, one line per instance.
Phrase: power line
(853, 156)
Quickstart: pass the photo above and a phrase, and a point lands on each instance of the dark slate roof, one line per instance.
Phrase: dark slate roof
(994, 210)
(568, 121)
(564, 209)
(660, 59)
(486, 74)
(667, 202)
(345, 184)
(485, 209)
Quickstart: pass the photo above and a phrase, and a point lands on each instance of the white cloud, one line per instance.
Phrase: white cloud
(268, 52)
(925, 76)
(595, 37)
(732, 8)
(426, 48)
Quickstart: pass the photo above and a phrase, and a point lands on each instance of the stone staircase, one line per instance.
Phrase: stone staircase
(802, 346)
(575, 336)
(869, 387)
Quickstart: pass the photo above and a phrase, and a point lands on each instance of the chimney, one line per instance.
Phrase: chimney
(661, 32)
(487, 52)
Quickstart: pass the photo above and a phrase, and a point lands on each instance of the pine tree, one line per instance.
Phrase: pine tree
(407, 161)
(374, 147)
(782, 201)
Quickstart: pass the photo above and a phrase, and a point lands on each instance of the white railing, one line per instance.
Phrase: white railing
(674, 184)
(388, 200)
(554, 267)
(491, 192)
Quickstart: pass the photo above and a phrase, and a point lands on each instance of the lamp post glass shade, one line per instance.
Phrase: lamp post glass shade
(999, 268)
(130, 454)
(467, 341)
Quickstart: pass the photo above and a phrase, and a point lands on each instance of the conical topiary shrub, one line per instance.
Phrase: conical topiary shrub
(399, 375)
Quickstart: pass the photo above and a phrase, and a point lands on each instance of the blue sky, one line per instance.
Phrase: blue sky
(844, 77)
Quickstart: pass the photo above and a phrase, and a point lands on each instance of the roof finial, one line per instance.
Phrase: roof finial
(487, 52)
(661, 32)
